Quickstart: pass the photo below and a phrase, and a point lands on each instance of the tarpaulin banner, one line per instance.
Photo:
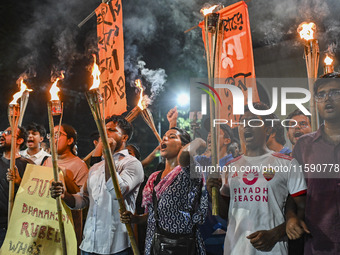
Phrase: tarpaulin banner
(234, 56)
(34, 227)
(111, 56)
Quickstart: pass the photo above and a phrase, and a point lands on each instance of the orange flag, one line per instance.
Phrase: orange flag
(234, 56)
(111, 56)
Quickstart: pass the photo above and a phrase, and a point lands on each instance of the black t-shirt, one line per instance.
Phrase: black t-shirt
(4, 185)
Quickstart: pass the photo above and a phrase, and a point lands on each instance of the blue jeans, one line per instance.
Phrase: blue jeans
(127, 251)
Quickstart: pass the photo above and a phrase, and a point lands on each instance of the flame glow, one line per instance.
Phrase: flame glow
(206, 11)
(55, 90)
(328, 61)
(307, 30)
(18, 95)
(139, 85)
(95, 74)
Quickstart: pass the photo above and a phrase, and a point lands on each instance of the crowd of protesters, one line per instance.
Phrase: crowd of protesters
(262, 209)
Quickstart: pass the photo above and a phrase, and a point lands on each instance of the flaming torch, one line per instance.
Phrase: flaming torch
(306, 31)
(94, 99)
(55, 109)
(142, 108)
(212, 25)
(328, 65)
(15, 116)
(133, 114)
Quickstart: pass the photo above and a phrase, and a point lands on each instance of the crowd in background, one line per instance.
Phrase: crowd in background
(294, 212)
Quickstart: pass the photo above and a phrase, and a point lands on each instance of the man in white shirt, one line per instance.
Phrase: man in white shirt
(34, 152)
(103, 232)
(258, 184)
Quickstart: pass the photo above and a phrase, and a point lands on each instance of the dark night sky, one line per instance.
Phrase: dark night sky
(37, 37)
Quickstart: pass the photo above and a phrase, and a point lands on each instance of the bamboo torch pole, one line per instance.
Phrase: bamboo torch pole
(13, 117)
(93, 99)
(54, 108)
(211, 36)
(16, 113)
(311, 54)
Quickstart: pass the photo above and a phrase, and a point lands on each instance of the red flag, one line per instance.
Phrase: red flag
(234, 56)
(111, 56)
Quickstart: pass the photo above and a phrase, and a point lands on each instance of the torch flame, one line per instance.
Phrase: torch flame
(95, 74)
(139, 85)
(206, 11)
(328, 61)
(18, 95)
(55, 90)
(307, 30)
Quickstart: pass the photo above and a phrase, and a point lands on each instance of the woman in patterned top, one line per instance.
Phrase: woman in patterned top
(181, 201)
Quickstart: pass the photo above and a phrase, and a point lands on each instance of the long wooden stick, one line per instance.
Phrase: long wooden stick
(312, 64)
(147, 116)
(90, 15)
(56, 177)
(210, 46)
(93, 101)
(13, 117)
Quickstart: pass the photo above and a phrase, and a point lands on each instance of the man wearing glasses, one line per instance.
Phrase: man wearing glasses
(20, 162)
(319, 154)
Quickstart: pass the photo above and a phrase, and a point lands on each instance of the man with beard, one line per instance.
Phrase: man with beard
(319, 153)
(34, 152)
(20, 163)
(103, 232)
(299, 127)
(258, 184)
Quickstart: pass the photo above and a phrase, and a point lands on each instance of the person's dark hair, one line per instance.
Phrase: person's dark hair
(260, 106)
(94, 136)
(122, 123)
(36, 128)
(278, 130)
(228, 133)
(324, 79)
(135, 149)
(297, 112)
(183, 135)
(71, 133)
(22, 134)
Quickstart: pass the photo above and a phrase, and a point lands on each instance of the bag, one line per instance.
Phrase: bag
(163, 245)
(167, 243)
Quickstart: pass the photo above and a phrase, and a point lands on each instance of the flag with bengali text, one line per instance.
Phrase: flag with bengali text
(111, 56)
(234, 63)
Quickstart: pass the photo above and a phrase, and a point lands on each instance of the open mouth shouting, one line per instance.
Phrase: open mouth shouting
(248, 135)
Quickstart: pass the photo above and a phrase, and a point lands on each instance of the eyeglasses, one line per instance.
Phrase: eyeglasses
(56, 135)
(301, 124)
(6, 132)
(333, 94)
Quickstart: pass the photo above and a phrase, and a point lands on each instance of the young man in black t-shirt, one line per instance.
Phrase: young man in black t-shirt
(20, 162)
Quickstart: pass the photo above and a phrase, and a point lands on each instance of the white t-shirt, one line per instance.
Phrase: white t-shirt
(36, 158)
(258, 188)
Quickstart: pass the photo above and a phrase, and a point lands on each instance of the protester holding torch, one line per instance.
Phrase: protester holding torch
(20, 165)
(174, 200)
(103, 233)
